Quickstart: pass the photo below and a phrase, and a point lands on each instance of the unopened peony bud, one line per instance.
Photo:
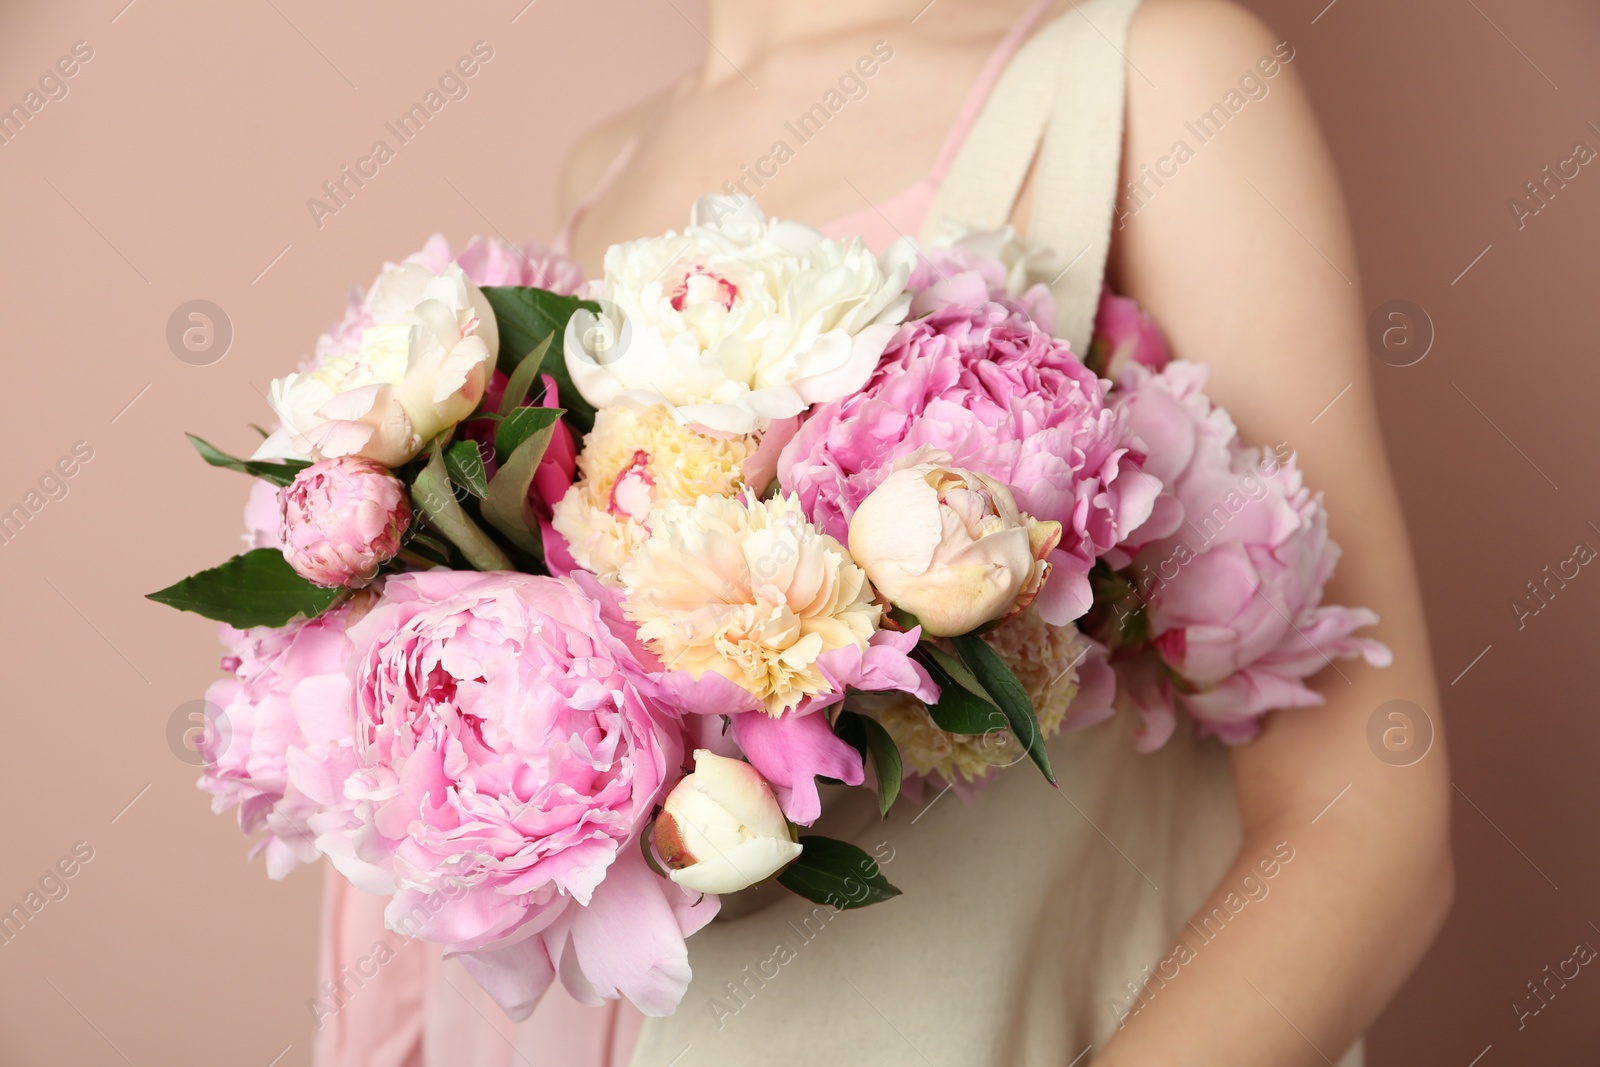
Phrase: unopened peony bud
(950, 546)
(721, 829)
(342, 519)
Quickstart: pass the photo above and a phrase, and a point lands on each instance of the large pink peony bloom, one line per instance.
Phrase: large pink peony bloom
(1003, 398)
(281, 742)
(1233, 595)
(512, 748)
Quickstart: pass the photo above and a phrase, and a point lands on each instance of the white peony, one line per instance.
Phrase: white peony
(422, 367)
(738, 320)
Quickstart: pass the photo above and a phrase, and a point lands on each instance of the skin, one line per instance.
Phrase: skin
(1245, 258)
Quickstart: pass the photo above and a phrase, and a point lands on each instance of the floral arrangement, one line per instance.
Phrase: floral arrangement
(560, 597)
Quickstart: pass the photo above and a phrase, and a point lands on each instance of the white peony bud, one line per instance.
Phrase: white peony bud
(721, 829)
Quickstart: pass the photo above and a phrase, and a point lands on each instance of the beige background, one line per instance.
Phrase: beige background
(178, 166)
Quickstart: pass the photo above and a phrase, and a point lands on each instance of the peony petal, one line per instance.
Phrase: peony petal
(791, 751)
(516, 976)
(885, 664)
(739, 867)
(762, 465)
(710, 694)
(1066, 595)
(628, 942)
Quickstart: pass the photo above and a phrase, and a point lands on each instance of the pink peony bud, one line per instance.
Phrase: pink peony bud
(342, 519)
(721, 830)
(950, 545)
(1124, 335)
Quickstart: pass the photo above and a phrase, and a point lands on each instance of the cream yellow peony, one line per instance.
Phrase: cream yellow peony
(1045, 660)
(634, 459)
(750, 590)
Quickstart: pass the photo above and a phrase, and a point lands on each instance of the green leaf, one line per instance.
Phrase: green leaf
(525, 317)
(432, 493)
(523, 377)
(885, 756)
(416, 538)
(867, 736)
(1008, 693)
(506, 507)
(520, 425)
(258, 588)
(957, 670)
(271, 470)
(836, 873)
(958, 710)
(464, 463)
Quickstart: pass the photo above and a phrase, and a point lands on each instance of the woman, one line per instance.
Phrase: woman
(1035, 926)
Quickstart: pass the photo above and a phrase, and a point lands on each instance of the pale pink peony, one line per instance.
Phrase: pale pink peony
(512, 748)
(279, 742)
(342, 520)
(1004, 399)
(949, 545)
(972, 267)
(263, 516)
(1232, 596)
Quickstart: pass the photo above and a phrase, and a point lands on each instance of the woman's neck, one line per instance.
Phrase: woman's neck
(750, 27)
(741, 32)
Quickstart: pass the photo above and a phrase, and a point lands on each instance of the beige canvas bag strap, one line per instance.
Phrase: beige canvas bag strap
(1063, 97)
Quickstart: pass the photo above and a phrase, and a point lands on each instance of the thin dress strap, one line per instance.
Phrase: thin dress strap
(1061, 100)
(993, 68)
(563, 241)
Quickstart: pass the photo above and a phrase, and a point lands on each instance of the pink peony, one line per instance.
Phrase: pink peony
(793, 749)
(1232, 596)
(1004, 399)
(484, 260)
(1124, 336)
(280, 744)
(512, 748)
(263, 516)
(963, 276)
(342, 520)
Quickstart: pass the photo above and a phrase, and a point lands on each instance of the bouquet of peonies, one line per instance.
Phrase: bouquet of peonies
(560, 597)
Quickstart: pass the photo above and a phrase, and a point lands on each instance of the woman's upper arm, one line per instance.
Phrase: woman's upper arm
(1235, 238)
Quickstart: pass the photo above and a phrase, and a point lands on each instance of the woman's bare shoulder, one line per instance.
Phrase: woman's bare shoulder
(1197, 36)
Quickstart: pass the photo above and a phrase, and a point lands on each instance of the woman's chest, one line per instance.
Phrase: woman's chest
(817, 141)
